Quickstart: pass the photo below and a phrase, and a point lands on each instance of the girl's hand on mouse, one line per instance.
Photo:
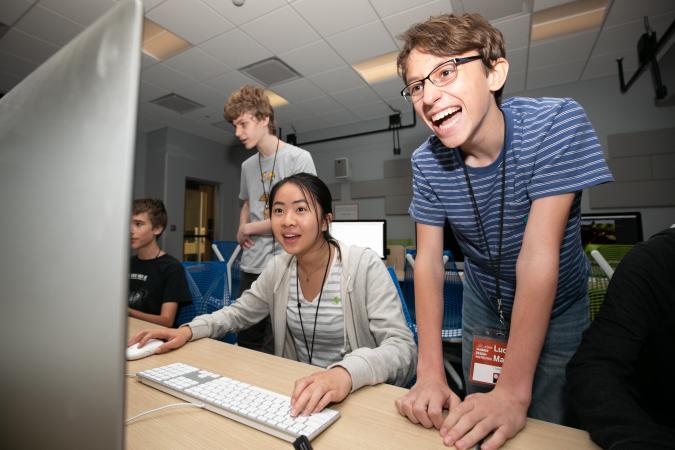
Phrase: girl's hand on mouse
(175, 338)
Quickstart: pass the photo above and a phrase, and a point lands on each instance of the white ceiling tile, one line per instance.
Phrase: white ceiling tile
(196, 64)
(388, 7)
(517, 60)
(492, 10)
(296, 32)
(313, 58)
(20, 44)
(400, 104)
(82, 12)
(337, 80)
(318, 105)
(289, 112)
(569, 72)
(339, 116)
(49, 26)
(147, 61)
(400, 22)
(516, 31)
(8, 81)
(515, 82)
(555, 51)
(11, 10)
(329, 16)
(229, 82)
(312, 123)
(546, 4)
(372, 111)
(14, 65)
(364, 42)
(165, 77)
(148, 91)
(298, 90)
(150, 4)
(190, 19)
(623, 11)
(235, 49)
(605, 65)
(239, 15)
(359, 96)
(205, 95)
(389, 89)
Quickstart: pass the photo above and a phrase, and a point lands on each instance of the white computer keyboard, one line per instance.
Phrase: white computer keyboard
(259, 408)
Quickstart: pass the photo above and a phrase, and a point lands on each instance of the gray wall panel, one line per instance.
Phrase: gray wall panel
(639, 143)
(633, 194)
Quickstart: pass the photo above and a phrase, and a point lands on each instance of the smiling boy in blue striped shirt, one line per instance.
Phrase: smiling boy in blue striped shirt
(508, 177)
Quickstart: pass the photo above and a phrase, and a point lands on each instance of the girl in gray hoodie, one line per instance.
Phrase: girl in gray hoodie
(332, 305)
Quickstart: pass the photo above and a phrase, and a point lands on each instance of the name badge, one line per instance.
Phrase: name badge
(487, 358)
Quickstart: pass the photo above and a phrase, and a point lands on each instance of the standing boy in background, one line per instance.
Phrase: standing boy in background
(156, 279)
(508, 177)
(251, 113)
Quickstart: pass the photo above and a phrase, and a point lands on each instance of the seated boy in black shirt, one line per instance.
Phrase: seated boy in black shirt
(156, 280)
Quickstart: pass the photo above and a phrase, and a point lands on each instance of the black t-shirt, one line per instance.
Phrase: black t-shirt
(155, 281)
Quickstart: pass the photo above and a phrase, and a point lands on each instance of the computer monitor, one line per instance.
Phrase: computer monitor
(364, 233)
(67, 136)
(611, 228)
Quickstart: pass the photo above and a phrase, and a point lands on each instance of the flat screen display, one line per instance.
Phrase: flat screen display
(364, 233)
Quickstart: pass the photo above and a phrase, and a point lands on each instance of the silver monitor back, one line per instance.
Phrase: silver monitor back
(67, 136)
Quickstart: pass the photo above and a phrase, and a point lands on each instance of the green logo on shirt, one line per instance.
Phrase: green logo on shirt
(336, 300)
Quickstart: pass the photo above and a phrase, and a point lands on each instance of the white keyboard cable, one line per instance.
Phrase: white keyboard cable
(172, 405)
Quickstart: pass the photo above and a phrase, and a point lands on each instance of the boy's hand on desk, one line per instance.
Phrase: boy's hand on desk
(425, 401)
(313, 393)
(175, 338)
(498, 412)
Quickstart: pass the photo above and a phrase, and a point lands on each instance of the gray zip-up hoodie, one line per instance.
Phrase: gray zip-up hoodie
(375, 328)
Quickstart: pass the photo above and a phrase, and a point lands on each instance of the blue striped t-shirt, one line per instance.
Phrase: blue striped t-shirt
(551, 149)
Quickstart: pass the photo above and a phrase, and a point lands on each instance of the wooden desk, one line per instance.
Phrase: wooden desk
(369, 418)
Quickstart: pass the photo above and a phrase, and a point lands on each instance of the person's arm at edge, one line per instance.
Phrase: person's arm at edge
(166, 317)
(503, 411)
(425, 401)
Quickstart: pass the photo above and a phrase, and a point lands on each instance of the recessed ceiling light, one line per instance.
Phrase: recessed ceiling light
(380, 68)
(160, 43)
(569, 18)
(275, 99)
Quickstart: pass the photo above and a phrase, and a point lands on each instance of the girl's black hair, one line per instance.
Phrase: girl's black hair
(316, 193)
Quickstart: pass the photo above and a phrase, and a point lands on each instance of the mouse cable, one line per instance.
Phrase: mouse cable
(173, 405)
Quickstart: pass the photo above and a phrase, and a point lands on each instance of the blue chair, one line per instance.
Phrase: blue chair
(230, 253)
(408, 318)
(406, 313)
(453, 291)
(207, 282)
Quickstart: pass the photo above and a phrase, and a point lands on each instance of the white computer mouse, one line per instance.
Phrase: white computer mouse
(148, 349)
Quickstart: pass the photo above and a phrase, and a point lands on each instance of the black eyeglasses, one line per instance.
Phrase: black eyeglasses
(442, 75)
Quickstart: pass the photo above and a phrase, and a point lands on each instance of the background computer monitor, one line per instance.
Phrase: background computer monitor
(611, 228)
(67, 135)
(364, 233)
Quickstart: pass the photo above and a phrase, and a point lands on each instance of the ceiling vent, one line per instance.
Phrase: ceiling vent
(270, 71)
(176, 103)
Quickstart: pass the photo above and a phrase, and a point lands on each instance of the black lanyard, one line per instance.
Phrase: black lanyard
(310, 352)
(496, 266)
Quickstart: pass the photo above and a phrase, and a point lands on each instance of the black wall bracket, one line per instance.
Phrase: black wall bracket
(648, 48)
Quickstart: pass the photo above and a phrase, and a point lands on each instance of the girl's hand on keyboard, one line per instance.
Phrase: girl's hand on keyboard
(313, 393)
